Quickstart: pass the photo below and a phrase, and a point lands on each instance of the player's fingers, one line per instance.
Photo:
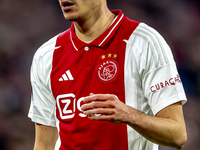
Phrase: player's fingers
(103, 111)
(100, 97)
(91, 94)
(97, 104)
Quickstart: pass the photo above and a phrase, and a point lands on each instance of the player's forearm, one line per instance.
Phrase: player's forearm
(46, 137)
(167, 128)
(43, 147)
(162, 131)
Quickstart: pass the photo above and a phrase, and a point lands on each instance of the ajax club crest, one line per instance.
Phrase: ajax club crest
(107, 71)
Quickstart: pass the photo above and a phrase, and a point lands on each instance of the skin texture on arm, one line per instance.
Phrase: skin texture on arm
(45, 137)
(166, 128)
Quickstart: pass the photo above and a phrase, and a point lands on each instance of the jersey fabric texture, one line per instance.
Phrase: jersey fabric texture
(130, 60)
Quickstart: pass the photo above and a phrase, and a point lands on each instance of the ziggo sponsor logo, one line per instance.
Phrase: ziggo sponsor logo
(171, 81)
(67, 105)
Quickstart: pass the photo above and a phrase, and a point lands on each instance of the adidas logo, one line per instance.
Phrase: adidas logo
(67, 76)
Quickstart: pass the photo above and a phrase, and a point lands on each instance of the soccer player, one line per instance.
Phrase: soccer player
(107, 83)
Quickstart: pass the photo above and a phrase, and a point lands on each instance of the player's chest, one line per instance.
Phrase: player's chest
(76, 74)
(75, 70)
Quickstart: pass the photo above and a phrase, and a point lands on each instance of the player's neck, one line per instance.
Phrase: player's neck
(94, 26)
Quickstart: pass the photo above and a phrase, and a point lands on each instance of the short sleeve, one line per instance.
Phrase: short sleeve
(42, 108)
(161, 82)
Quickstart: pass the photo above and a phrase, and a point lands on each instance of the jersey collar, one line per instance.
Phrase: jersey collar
(104, 38)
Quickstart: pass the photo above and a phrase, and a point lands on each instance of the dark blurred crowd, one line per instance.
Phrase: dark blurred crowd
(25, 25)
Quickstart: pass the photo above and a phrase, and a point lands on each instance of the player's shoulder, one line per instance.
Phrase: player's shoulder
(51, 45)
(140, 30)
(45, 48)
(147, 37)
(147, 33)
(148, 42)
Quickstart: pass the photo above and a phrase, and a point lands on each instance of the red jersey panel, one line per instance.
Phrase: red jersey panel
(80, 68)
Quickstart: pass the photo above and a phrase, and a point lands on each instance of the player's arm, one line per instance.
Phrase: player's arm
(166, 128)
(45, 137)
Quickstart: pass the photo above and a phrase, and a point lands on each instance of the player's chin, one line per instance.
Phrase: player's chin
(70, 16)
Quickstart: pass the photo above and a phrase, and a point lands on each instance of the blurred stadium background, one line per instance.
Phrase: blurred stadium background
(25, 25)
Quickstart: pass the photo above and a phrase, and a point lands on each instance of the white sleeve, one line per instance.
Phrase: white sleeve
(42, 109)
(161, 83)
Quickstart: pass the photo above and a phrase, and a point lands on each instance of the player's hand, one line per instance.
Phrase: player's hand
(106, 107)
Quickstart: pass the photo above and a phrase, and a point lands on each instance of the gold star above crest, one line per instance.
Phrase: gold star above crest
(115, 56)
(109, 55)
(103, 56)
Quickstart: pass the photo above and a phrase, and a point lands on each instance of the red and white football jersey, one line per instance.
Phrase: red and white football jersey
(130, 60)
